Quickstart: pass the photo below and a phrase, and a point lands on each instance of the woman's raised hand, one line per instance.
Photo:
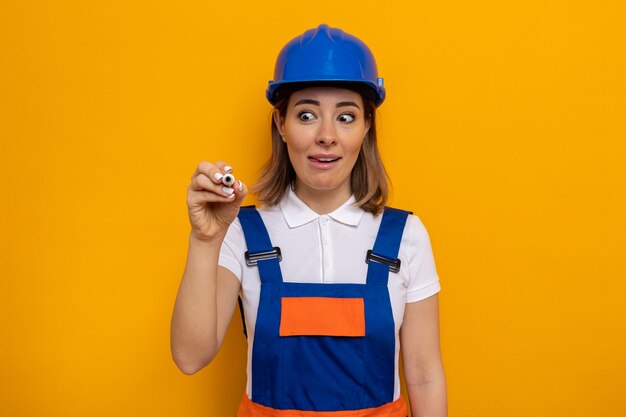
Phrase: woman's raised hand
(212, 205)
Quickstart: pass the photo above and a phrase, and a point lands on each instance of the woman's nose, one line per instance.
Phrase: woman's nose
(326, 134)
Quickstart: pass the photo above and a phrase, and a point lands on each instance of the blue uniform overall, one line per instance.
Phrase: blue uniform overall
(323, 349)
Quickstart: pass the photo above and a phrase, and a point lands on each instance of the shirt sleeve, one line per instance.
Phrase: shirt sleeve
(423, 278)
(232, 250)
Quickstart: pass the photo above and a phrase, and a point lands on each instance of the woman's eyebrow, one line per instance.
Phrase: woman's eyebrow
(347, 103)
(317, 103)
(307, 101)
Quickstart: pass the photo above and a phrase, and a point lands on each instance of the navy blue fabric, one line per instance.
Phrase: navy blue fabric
(387, 244)
(324, 373)
(258, 240)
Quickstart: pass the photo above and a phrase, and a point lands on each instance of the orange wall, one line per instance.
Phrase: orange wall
(503, 130)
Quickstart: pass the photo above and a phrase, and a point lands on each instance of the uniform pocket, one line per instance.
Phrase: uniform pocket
(322, 316)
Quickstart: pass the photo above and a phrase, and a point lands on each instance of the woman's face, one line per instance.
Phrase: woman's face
(323, 128)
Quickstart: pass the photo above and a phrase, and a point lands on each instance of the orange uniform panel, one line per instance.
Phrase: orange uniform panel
(248, 408)
(322, 316)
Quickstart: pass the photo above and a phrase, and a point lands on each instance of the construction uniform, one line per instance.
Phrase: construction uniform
(323, 324)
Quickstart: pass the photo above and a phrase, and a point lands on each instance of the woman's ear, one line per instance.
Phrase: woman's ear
(368, 124)
(280, 123)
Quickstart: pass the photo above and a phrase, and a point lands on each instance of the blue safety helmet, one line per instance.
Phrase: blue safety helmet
(325, 56)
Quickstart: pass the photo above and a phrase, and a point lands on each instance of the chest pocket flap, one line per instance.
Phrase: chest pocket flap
(322, 316)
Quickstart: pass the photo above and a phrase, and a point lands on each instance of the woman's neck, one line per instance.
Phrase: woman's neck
(323, 201)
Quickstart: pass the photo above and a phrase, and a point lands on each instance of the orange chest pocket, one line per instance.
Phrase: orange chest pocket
(322, 316)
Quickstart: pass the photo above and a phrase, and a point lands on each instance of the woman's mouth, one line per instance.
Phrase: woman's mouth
(323, 162)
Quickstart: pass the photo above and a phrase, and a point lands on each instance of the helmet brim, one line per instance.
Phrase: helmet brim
(278, 91)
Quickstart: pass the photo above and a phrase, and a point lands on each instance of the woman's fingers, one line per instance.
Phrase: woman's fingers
(214, 171)
(202, 183)
(226, 169)
(212, 204)
(201, 198)
(241, 187)
(218, 171)
(207, 186)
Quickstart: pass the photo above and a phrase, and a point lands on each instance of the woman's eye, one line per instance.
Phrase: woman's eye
(306, 116)
(346, 118)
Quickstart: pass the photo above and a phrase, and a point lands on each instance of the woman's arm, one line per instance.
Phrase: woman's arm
(421, 357)
(207, 294)
(204, 307)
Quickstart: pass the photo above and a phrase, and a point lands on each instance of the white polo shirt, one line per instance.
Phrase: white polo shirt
(330, 248)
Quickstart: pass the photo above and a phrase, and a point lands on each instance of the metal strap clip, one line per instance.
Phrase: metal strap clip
(253, 258)
(393, 264)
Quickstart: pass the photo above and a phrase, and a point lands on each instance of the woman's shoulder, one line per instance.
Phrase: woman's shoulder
(414, 229)
(413, 220)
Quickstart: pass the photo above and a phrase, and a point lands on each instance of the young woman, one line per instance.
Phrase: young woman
(332, 282)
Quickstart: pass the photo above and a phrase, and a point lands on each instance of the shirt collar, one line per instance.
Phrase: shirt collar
(297, 213)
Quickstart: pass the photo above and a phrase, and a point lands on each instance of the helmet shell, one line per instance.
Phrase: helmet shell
(326, 56)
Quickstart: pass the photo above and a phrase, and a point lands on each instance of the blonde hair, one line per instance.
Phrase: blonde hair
(369, 180)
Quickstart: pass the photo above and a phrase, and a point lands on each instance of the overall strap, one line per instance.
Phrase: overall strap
(260, 250)
(384, 257)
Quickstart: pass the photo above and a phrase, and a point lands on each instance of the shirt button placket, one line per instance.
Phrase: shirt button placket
(325, 244)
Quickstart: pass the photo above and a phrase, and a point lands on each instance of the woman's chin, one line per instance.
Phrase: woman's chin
(325, 186)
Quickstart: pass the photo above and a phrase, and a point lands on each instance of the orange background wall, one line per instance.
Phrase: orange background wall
(503, 130)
